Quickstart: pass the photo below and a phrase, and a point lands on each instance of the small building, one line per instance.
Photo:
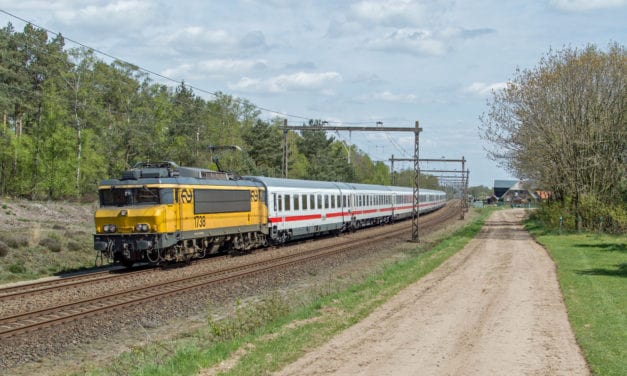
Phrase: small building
(502, 186)
(542, 195)
(491, 200)
(518, 195)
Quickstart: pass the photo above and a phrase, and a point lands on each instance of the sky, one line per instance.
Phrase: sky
(344, 62)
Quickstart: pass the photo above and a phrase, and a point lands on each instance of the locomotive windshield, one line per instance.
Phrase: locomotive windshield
(124, 196)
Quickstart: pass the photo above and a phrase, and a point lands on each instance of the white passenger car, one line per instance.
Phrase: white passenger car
(303, 208)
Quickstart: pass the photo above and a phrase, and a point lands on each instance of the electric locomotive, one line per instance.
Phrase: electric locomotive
(161, 212)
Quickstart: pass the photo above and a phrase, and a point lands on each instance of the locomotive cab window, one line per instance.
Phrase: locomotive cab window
(124, 196)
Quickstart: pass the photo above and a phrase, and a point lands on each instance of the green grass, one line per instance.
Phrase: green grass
(592, 272)
(289, 326)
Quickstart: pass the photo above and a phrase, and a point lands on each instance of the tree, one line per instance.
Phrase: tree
(563, 125)
(263, 140)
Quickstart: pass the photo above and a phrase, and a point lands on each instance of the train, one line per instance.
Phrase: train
(160, 212)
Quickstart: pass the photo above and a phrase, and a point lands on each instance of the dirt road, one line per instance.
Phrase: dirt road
(495, 308)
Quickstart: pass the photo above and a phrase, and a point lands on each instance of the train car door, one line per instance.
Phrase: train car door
(393, 204)
(351, 210)
(170, 197)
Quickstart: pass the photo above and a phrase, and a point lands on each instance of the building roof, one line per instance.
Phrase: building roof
(504, 184)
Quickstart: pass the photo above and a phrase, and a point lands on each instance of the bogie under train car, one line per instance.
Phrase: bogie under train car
(161, 213)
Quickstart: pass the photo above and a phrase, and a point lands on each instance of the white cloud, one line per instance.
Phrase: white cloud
(481, 88)
(199, 36)
(412, 41)
(216, 67)
(127, 12)
(387, 96)
(389, 12)
(301, 81)
(585, 5)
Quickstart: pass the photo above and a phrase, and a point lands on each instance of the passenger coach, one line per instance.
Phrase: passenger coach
(302, 208)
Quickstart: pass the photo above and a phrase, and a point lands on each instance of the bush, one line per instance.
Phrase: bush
(74, 245)
(16, 241)
(4, 249)
(17, 269)
(53, 244)
(592, 215)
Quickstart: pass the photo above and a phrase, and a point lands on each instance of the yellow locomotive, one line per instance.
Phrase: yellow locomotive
(161, 212)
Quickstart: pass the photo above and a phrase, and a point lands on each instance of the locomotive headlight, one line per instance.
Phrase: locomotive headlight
(142, 227)
(109, 228)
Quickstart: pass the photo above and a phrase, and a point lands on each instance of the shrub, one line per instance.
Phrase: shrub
(53, 244)
(4, 249)
(17, 268)
(592, 215)
(16, 241)
(74, 245)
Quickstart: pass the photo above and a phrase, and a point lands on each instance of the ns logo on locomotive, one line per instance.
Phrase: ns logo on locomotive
(162, 213)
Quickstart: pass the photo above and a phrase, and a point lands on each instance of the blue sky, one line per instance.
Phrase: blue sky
(345, 62)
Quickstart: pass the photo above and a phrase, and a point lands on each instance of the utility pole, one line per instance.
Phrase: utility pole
(415, 229)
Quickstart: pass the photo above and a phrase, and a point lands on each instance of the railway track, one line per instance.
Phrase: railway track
(17, 324)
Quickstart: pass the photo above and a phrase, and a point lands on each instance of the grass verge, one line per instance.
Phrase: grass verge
(263, 337)
(592, 272)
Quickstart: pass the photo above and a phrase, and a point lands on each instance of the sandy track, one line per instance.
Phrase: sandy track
(495, 308)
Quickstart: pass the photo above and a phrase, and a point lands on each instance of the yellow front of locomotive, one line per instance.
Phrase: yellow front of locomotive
(134, 221)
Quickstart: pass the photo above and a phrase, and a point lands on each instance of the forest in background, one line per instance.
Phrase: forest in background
(69, 119)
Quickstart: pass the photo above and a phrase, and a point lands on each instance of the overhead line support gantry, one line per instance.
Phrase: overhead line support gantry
(416, 130)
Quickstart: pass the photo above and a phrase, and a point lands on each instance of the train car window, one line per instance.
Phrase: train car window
(312, 201)
(332, 202)
(345, 201)
(296, 202)
(274, 200)
(338, 199)
(320, 202)
(280, 197)
(326, 201)
(304, 200)
(166, 195)
(129, 196)
(288, 201)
